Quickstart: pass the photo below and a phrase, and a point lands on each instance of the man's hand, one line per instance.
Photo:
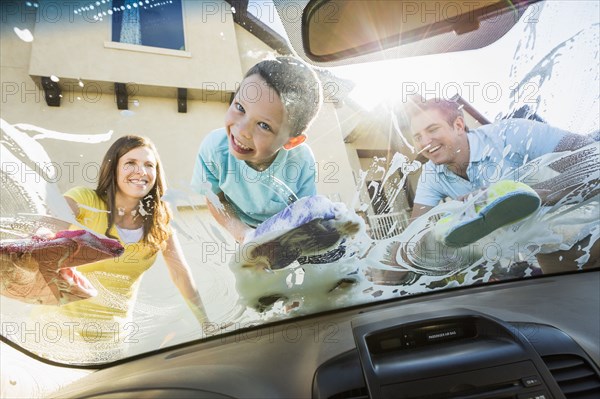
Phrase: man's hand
(480, 193)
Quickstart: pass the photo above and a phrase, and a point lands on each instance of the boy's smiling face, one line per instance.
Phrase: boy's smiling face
(256, 123)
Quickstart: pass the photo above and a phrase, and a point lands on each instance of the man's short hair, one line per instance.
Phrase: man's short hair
(450, 110)
(298, 87)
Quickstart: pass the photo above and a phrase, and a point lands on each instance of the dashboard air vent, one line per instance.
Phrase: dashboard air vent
(359, 393)
(574, 375)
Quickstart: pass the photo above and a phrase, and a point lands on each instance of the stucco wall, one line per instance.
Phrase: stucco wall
(177, 135)
(70, 45)
(251, 49)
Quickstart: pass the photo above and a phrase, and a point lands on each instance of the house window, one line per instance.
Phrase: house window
(156, 23)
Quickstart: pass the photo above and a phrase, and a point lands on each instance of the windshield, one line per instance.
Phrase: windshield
(115, 245)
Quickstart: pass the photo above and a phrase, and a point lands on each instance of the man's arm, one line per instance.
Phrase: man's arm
(419, 210)
(578, 177)
(226, 216)
(572, 142)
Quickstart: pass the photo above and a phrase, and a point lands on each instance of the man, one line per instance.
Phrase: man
(462, 162)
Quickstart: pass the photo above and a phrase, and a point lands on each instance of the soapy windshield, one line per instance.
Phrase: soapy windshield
(358, 242)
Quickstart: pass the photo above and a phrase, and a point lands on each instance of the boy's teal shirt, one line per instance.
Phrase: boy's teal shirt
(255, 195)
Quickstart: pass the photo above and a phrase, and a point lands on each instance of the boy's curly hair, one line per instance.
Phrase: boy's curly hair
(298, 87)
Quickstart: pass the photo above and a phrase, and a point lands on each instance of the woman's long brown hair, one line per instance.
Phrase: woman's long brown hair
(156, 213)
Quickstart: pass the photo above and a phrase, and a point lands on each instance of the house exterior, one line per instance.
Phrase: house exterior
(80, 68)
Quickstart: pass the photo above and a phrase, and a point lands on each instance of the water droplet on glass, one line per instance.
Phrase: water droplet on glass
(24, 34)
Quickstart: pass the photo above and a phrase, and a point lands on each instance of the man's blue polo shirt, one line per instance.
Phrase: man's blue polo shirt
(496, 151)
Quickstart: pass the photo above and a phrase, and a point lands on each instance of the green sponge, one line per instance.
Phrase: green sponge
(507, 202)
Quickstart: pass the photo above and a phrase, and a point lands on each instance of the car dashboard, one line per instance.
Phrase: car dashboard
(534, 338)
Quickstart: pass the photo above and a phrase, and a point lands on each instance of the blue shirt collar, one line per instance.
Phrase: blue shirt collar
(476, 154)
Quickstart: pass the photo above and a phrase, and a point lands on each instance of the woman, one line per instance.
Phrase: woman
(127, 205)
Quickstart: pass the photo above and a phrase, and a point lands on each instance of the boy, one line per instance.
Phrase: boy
(257, 164)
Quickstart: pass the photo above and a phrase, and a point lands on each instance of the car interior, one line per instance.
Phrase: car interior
(493, 330)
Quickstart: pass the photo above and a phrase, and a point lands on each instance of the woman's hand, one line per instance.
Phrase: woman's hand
(181, 275)
(28, 278)
(40, 269)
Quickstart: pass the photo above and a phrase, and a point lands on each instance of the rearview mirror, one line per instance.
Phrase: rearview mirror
(341, 29)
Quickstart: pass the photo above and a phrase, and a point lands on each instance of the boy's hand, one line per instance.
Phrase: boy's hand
(243, 234)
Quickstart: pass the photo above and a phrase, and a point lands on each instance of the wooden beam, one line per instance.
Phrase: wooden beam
(51, 92)
(121, 96)
(182, 100)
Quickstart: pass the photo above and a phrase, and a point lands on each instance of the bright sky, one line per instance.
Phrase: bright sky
(487, 77)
